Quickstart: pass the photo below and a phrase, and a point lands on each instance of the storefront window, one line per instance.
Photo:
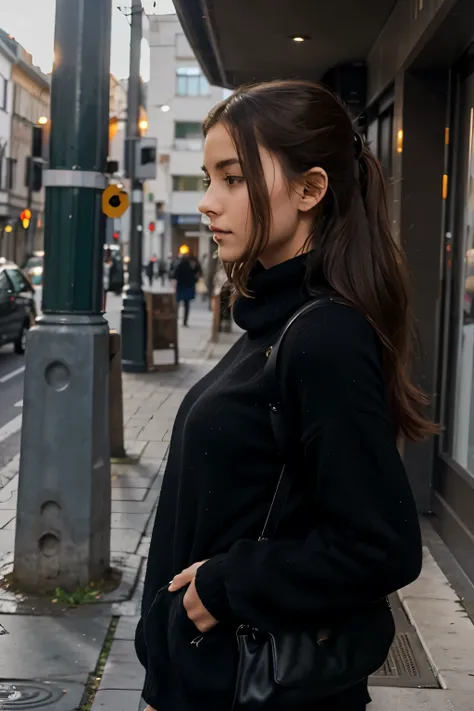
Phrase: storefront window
(463, 441)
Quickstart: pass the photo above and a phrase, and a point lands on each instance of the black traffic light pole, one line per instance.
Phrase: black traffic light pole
(63, 515)
(133, 312)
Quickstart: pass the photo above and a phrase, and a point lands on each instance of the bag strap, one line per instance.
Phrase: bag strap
(278, 421)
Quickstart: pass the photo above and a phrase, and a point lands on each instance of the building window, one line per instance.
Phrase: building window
(3, 93)
(187, 129)
(191, 183)
(11, 178)
(191, 82)
(188, 136)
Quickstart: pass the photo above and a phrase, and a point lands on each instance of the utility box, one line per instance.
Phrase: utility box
(162, 331)
(145, 158)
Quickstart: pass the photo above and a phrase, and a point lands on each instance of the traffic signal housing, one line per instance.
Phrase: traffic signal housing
(25, 217)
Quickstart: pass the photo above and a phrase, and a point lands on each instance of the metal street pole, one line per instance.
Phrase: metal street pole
(63, 516)
(133, 311)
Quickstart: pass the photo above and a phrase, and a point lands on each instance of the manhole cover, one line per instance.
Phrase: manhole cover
(27, 695)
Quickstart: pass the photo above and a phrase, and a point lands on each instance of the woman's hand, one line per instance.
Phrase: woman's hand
(197, 613)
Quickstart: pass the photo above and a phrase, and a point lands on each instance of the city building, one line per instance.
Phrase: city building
(7, 60)
(406, 69)
(179, 97)
(29, 135)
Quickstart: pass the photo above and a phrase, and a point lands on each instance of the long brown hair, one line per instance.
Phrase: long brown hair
(305, 125)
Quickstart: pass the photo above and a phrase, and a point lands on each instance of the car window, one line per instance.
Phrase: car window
(34, 262)
(5, 287)
(18, 280)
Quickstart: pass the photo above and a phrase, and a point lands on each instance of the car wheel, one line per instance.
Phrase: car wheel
(20, 343)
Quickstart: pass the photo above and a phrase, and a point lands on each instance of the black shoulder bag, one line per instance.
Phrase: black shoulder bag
(285, 671)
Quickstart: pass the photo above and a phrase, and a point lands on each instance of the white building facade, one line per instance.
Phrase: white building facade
(179, 98)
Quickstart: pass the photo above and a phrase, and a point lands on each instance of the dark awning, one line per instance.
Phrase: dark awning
(239, 41)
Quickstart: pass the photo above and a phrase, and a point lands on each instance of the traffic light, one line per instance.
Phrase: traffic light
(145, 158)
(116, 236)
(25, 217)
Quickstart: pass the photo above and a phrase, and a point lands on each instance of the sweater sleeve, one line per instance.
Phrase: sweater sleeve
(366, 540)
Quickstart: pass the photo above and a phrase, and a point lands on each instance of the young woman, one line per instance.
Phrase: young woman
(297, 208)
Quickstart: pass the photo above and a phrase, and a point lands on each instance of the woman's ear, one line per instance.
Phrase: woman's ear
(314, 187)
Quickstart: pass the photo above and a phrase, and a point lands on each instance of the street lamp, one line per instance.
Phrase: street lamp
(133, 321)
(43, 120)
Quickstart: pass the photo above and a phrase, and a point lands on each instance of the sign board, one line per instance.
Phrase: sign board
(114, 201)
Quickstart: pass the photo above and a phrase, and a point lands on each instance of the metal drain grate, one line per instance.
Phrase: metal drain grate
(401, 659)
(407, 664)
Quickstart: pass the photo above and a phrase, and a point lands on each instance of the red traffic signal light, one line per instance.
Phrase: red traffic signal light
(116, 235)
(25, 214)
(151, 227)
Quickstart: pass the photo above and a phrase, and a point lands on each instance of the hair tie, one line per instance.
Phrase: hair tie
(358, 145)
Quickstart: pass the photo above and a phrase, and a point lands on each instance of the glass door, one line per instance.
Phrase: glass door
(453, 494)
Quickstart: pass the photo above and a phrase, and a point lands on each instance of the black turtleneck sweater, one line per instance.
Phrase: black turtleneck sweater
(349, 534)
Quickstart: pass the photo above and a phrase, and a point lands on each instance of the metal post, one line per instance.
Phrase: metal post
(29, 201)
(133, 311)
(63, 516)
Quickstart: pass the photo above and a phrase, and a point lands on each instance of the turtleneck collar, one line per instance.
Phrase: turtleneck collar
(275, 294)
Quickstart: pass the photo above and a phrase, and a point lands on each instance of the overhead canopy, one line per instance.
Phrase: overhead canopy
(239, 41)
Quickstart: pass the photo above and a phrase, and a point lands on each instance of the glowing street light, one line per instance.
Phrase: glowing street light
(43, 120)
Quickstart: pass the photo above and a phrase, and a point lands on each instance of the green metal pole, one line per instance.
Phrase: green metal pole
(63, 517)
(133, 312)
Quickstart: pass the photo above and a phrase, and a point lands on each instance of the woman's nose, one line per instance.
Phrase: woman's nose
(208, 205)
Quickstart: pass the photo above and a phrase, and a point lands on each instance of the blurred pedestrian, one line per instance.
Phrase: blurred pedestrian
(162, 270)
(150, 270)
(184, 277)
(297, 207)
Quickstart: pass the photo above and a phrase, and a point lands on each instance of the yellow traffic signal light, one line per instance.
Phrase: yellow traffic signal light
(26, 223)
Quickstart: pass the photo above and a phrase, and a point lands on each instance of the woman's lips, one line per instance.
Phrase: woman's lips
(217, 233)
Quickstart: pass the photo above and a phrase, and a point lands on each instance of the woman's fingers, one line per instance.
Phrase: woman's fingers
(184, 578)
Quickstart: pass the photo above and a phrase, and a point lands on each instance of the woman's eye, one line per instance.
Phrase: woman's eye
(232, 179)
(206, 183)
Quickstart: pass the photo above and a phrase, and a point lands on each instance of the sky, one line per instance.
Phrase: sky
(31, 22)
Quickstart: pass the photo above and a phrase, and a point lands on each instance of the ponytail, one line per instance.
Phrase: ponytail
(373, 275)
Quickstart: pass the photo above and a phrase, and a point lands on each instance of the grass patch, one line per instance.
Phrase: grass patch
(82, 595)
(79, 596)
(95, 678)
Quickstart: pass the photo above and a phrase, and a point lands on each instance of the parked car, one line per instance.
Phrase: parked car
(34, 268)
(17, 306)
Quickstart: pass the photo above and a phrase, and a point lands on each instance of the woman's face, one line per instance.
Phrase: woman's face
(226, 203)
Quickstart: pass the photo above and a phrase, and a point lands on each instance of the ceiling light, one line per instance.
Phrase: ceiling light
(299, 38)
